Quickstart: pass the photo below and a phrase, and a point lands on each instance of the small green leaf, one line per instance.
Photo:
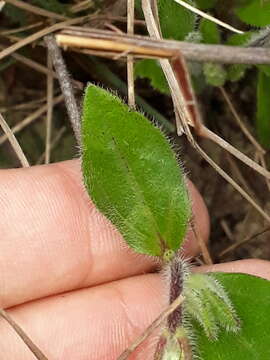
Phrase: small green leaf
(215, 74)
(250, 296)
(150, 69)
(132, 174)
(176, 22)
(208, 303)
(265, 69)
(263, 109)
(240, 39)
(210, 32)
(236, 72)
(255, 12)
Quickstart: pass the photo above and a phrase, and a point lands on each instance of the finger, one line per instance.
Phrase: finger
(250, 266)
(100, 322)
(91, 324)
(53, 238)
(201, 222)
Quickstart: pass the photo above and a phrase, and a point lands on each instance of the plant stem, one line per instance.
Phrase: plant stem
(66, 86)
(155, 324)
(176, 272)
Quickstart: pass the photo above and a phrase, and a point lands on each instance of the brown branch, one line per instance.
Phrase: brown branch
(130, 62)
(50, 86)
(240, 123)
(54, 142)
(21, 29)
(40, 68)
(244, 241)
(141, 46)
(208, 134)
(66, 86)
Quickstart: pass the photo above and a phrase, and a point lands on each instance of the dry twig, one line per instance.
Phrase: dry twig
(35, 9)
(66, 86)
(39, 34)
(25, 338)
(142, 46)
(14, 142)
(54, 142)
(242, 126)
(21, 29)
(30, 118)
(49, 110)
(130, 62)
(155, 324)
(244, 241)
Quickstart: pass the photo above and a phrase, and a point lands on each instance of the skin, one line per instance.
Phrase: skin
(67, 277)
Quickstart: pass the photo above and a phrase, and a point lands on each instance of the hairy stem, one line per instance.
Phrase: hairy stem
(176, 287)
(66, 86)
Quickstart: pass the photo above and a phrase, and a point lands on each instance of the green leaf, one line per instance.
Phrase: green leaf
(132, 174)
(240, 39)
(255, 12)
(263, 109)
(176, 22)
(215, 74)
(208, 303)
(150, 69)
(210, 32)
(265, 69)
(250, 296)
(236, 72)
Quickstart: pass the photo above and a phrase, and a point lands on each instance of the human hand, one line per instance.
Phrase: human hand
(66, 275)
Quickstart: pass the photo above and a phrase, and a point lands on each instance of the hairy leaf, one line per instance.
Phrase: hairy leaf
(215, 74)
(150, 69)
(207, 303)
(176, 22)
(210, 32)
(250, 296)
(236, 72)
(263, 109)
(255, 12)
(132, 175)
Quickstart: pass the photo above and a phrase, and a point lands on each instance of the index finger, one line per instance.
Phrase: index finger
(53, 238)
